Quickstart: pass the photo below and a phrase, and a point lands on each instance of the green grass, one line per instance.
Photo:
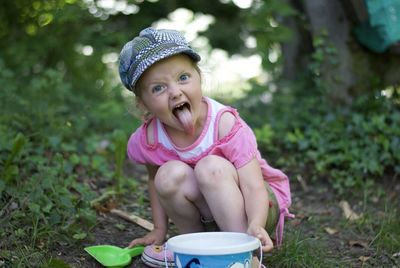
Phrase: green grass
(387, 231)
(375, 236)
(299, 250)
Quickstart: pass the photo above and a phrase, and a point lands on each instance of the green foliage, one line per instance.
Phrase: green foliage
(49, 155)
(120, 141)
(351, 147)
(10, 170)
(323, 62)
(265, 22)
(265, 135)
(59, 111)
(300, 251)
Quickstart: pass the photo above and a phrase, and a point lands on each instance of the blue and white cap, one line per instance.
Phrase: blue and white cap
(150, 46)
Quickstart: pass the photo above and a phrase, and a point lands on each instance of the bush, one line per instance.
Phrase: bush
(54, 145)
(347, 146)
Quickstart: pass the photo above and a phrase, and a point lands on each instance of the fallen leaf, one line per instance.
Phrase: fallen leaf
(357, 243)
(41, 245)
(348, 212)
(330, 230)
(364, 258)
(396, 255)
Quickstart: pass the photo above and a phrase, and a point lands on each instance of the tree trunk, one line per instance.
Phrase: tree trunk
(357, 70)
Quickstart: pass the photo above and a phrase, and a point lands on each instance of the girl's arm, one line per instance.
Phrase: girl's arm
(159, 216)
(254, 193)
(251, 183)
(256, 200)
(160, 220)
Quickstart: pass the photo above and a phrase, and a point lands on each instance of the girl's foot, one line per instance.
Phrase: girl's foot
(155, 256)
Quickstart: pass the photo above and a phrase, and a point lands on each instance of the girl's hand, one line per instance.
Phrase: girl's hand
(263, 236)
(156, 237)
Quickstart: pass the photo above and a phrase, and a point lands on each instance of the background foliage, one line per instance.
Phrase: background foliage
(64, 119)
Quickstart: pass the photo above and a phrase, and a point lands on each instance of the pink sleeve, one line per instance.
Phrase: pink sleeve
(135, 150)
(240, 145)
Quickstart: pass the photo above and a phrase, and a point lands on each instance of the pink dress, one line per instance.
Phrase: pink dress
(239, 147)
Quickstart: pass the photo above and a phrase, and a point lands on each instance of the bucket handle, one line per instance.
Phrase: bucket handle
(165, 254)
(260, 265)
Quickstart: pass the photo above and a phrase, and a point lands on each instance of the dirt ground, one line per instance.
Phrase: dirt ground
(318, 216)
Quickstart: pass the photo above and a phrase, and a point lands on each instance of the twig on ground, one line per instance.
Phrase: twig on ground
(302, 182)
(133, 218)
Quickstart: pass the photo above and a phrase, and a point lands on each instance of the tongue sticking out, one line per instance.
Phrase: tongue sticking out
(185, 117)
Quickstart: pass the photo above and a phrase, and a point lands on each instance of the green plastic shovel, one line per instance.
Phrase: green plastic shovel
(112, 256)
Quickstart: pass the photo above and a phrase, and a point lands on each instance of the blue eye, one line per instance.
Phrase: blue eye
(157, 89)
(184, 77)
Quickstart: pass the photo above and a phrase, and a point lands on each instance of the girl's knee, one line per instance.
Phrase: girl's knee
(170, 177)
(213, 169)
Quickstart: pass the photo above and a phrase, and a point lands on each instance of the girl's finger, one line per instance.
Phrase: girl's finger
(132, 244)
(267, 248)
(262, 239)
(136, 242)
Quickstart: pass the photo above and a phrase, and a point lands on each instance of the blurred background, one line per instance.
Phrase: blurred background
(318, 81)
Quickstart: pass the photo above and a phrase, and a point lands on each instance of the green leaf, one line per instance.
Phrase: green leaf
(10, 170)
(79, 236)
(120, 226)
(19, 232)
(75, 159)
(34, 208)
(47, 207)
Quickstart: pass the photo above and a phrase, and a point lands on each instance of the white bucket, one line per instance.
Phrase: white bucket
(213, 249)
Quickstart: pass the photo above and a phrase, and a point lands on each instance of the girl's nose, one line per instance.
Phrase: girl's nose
(175, 91)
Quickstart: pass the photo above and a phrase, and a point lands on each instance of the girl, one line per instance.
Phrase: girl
(202, 159)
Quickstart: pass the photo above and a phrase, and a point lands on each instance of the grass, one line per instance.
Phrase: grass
(371, 241)
(387, 236)
(299, 251)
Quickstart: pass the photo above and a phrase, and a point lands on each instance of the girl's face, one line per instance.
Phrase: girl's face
(171, 91)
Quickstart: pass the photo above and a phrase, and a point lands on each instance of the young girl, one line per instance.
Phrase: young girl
(202, 158)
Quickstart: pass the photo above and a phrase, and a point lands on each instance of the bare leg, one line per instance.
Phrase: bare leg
(219, 184)
(180, 197)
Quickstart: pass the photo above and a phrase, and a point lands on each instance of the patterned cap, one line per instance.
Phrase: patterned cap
(150, 46)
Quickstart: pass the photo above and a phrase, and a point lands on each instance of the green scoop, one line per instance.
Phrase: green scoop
(112, 256)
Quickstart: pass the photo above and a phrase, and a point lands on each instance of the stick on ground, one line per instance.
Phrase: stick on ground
(133, 218)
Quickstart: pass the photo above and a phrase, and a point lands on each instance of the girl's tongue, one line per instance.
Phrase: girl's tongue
(185, 118)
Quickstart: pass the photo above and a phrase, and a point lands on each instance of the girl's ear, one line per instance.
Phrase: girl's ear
(140, 104)
(144, 112)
